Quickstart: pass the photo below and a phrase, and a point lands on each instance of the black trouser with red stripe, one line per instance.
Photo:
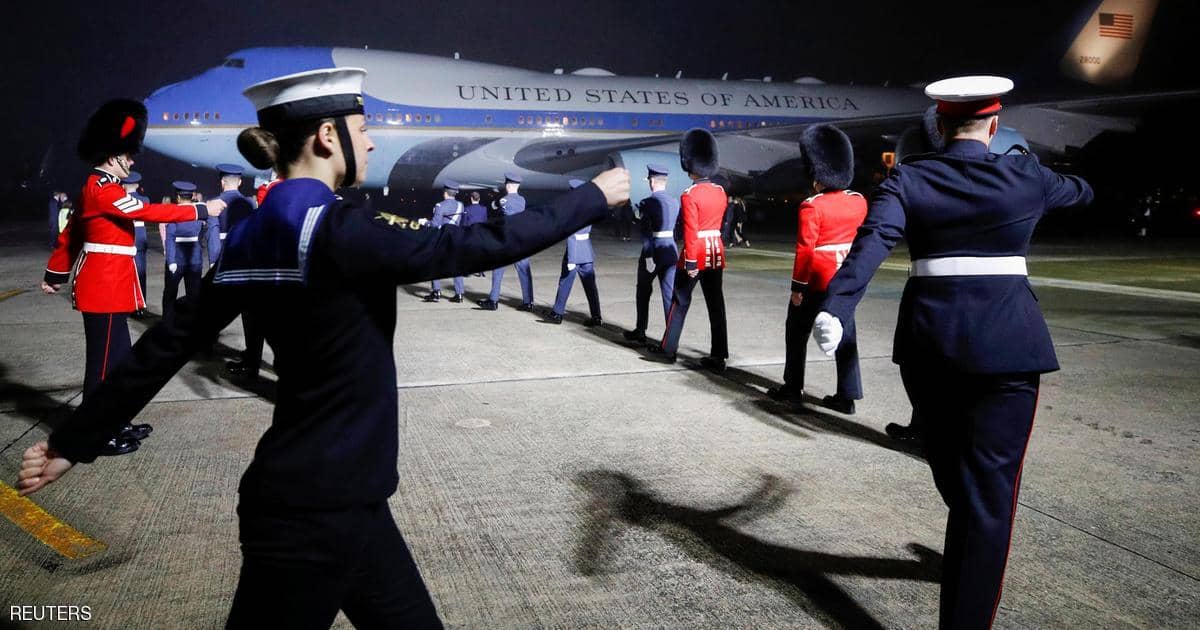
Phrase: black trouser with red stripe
(796, 332)
(976, 428)
(714, 299)
(107, 339)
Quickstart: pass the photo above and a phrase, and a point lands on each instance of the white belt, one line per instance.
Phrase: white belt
(664, 234)
(186, 239)
(582, 237)
(970, 266)
(223, 234)
(708, 233)
(139, 224)
(833, 248)
(105, 248)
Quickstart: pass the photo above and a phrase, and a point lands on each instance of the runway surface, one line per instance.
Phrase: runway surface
(552, 478)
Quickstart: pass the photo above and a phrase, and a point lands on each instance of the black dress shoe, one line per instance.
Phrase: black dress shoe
(487, 305)
(786, 393)
(592, 322)
(119, 446)
(135, 431)
(239, 369)
(839, 404)
(432, 297)
(552, 317)
(140, 314)
(457, 299)
(527, 307)
(635, 335)
(658, 354)
(901, 433)
(713, 364)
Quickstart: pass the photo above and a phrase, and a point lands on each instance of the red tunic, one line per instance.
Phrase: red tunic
(97, 245)
(702, 207)
(828, 223)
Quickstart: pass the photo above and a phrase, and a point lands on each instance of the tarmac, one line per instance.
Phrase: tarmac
(553, 478)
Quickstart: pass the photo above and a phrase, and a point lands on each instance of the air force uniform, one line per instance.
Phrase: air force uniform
(218, 227)
(659, 213)
(970, 339)
(579, 258)
(448, 211)
(139, 232)
(185, 261)
(510, 205)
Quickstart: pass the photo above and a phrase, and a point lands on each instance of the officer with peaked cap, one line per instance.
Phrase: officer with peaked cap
(98, 247)
(182, 250)
(239, 206)
(131, 185)
(321, 273)
(511, 204)
(448, 211)
(703, 257)
(659, 255)
(970, 341)
(827, 223)
(579, 259)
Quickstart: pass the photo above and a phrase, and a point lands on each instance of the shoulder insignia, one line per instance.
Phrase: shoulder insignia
(395, 220)
(503, 200)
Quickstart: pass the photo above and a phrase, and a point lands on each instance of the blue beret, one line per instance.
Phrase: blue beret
(656, 169)
(230, 169)
(450, 184)
(512, 177)
(134, 177)
(576, 183)
(183, 186)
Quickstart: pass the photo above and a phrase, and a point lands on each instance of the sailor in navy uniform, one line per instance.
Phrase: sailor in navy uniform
(131, 185)
(185, 262)
(578, 259)
(316, 531)
(449, 211)
(970, 340)
(659, 212)
(509, 205)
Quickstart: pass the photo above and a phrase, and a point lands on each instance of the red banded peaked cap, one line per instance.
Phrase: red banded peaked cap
(966, 97)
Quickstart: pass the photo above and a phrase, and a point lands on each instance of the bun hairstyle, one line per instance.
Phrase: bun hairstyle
(259, 147)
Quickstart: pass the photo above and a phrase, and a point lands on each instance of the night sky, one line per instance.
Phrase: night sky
(64, 58)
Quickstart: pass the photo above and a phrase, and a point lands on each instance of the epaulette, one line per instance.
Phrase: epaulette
(106, 179)
(397, 220)
(851, 192)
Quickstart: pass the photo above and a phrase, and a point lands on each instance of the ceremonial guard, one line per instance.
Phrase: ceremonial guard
(703, 257)
(98, 248)
(131, 185)
(185, 261)
(658, 214)
(316, 531)
(827, 224)
(510, 205)
(449, 211)
(970, 341)
(238, 205)
(578, 259)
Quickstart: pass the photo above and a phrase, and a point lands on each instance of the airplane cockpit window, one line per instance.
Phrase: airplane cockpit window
(234, 62)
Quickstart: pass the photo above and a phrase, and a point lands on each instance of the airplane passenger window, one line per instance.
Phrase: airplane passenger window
(176, 115)
(206, 115)
(488, 119)
(633, 123)
(428, 118)
(520, 120)
(165, 116)
(539, 120)
(185, 115)
(217, 115)
(437, 118)
(407, 118)
(565, 120)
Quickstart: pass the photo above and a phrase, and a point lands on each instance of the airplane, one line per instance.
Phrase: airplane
(434, 118)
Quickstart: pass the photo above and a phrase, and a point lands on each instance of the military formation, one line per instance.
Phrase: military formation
(307, 269)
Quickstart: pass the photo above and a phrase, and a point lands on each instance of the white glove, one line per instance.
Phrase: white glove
(650, 267)
(570, 266)
(827, 330)
(172, 267)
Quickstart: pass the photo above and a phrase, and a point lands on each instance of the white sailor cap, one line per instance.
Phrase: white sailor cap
(968, 97)
(307, 95)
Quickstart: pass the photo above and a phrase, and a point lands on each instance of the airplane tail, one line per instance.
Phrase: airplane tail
(1106, 50)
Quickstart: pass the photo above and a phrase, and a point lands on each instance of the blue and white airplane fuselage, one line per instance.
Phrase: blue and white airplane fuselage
(434, 118)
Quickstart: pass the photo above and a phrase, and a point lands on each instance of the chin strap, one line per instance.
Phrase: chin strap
(347, 152)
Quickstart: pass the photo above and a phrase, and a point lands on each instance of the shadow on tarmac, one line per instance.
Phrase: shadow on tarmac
(32, 405)
(711, 536)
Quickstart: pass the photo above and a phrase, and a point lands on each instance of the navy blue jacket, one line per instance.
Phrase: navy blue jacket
(660, 212)
(330, 316)
(475, 213)
(237, 207)
(962, 202)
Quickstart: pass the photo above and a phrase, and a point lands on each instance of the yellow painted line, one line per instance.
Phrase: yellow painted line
(13, 293)
(52, 532)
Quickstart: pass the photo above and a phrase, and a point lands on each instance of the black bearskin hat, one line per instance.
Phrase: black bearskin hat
(923, 139)
(829, 156)
(117, 127)
(698, 153)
